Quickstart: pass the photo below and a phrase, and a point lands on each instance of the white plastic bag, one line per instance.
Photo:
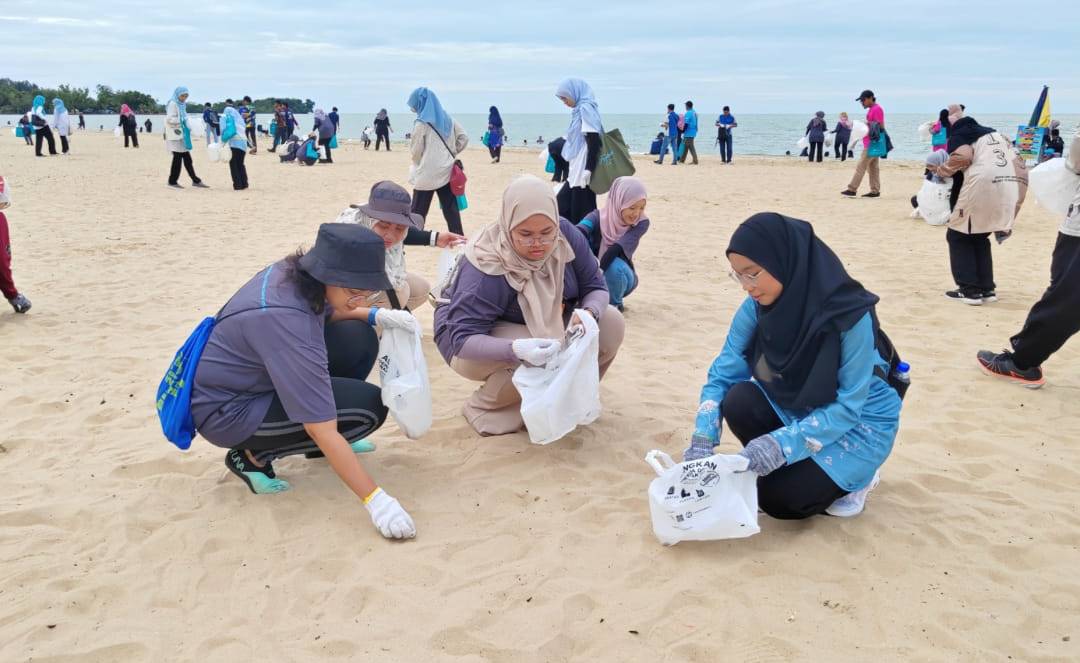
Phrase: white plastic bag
(1054, 185)
(213, 152)
(403, 375)
(117, 133)
(924, 131)
(803, 143)
(828, 139)
(858, 131)
(933, 199)
(448, 260)
(559, 397)
(702, 500)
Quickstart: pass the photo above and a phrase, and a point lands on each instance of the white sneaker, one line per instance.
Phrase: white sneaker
(853, 504)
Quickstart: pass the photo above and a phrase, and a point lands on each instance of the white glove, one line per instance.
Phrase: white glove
(587, 176)
(389, 518)
(393, 319)
(536, 351)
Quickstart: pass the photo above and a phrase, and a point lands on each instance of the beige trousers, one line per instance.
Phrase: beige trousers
(866, 163)
(495, 407)
(412, 293)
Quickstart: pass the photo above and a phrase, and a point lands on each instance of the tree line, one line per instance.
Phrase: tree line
(17, 96)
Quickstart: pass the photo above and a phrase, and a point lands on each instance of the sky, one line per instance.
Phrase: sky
(771, 56)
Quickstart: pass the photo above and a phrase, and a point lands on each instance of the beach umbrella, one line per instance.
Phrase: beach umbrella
(1040, 117)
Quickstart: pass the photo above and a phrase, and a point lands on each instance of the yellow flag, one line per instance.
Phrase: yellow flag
(1044, 119)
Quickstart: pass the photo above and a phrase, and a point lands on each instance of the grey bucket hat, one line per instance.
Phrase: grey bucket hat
(349, 256)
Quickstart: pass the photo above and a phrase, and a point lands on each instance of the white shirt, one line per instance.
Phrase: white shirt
(577, 166)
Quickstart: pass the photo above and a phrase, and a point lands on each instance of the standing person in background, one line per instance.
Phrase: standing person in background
(178, 139)
(82, 120)
(382, 129)
(278, 125)
(562, 166)
(27, 131)
(874, 113)
(495, 134)
(62, 122)
(129, 126)
(213, 123)
(365, 136)
(324, 130)
(149, 125)
(247, 111)
(690, 121)
(436, 141)
(234, 135)
(335, 118)
(290, 120)
(581, 150)
(815, 133)
(18, 301)
(671, 136)
(41, 126)
(842, 137)
(939, 132)
(725, 124)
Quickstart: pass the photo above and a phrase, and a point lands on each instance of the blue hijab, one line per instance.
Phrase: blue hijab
(39, 102)
(585, 108)
(181, 105)
(494, 119)
(58, 105)
(428, 109)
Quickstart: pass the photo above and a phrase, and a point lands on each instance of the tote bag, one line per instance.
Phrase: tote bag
(614, 161)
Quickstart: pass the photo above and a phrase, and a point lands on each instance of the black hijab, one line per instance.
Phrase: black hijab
(795, 354)
(965, 131)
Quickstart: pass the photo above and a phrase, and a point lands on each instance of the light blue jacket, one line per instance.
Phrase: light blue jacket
(690, 120)
(232, 129)
(849, 438)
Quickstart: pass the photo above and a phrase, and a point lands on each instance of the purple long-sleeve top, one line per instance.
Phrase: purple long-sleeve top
(623, 248)
(479, 301)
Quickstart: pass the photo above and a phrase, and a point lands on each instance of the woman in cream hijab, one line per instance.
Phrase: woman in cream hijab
(512, 299)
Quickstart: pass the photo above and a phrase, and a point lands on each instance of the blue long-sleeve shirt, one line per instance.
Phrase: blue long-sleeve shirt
(848, 438)
(690, 120)
(672, 123)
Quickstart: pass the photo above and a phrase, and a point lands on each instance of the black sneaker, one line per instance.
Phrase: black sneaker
(989, 297)
(872, 194)
(848, 192)
(1002, 366)
(958, 295)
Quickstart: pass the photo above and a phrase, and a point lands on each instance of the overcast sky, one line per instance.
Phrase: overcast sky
(767, 56)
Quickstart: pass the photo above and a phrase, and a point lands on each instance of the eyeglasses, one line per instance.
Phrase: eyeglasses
(535, 241)
(744, 279)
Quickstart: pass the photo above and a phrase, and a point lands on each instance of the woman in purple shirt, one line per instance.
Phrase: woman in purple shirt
(512, 298)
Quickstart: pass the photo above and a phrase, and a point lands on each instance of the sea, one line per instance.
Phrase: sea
(757, 134)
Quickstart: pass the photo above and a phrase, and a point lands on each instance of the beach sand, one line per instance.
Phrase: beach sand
(115, 547)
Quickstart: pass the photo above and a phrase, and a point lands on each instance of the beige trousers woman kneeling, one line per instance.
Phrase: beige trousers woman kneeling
(411, 294)
(495, 407)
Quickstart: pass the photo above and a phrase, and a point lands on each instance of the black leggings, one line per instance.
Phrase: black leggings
(421, 204)
(1055, 317)
(351, 348)
(791, 492)
(495, 152)
(64, 144)
(174, 172)
(575, 203)
(841, 150)
(237, 169)
(816, 145)
(379, 138)
(325, 142)
(972, 262)
(250, 133)
(43, 134)
(129, 134)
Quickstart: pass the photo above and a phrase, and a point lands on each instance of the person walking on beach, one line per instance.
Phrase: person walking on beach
(41, 127)
(234, 135)
(690, 122)
(437, 140)
(290, 120)
(581, 149)
(62, 122)
(495, 134)
(671, 136)
(335, 118)
(278, 125)
(129, 126)
(382, 129)
(725, 124)
(82, 120)
(842, 137)
(178, 139)
(365, 136)
(27, 130)
(874, 114)
(247, 111)
(212, 123)
(324, 130)
(1056, 316)
(18, 301)
(815, 134)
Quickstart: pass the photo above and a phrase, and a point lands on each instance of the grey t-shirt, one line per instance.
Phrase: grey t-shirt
(255, 354)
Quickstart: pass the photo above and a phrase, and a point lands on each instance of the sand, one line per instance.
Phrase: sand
(115, 547)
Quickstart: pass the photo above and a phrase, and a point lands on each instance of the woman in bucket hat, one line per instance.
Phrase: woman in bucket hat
(284, 370)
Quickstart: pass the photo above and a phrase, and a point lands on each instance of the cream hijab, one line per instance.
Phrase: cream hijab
(395, 255)
(539, 283)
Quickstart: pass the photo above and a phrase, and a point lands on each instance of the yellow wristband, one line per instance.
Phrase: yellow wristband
(372, 495)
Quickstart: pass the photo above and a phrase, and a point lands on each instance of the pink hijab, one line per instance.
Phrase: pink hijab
(125, 109)
(624, 192)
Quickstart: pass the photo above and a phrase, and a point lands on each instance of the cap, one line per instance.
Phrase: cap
(391, 203)
(349, 256)
(865, 94)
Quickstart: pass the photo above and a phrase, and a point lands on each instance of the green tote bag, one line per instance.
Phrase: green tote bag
(614, 161)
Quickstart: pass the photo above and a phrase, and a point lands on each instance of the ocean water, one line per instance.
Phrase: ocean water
(757, 134)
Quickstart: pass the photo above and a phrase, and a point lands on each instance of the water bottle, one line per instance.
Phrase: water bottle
(901, 378)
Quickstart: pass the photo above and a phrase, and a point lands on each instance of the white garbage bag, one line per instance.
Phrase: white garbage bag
(828, 139)
(448, 260)
(933, 199)
(117, 133)
(924, 131)
(213, 152)
(406, 391)
(702, 500)
(559, 397)
(803, 143)
(1054, 185)
(858, 131)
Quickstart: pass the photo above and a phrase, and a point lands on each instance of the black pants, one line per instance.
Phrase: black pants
(690, 151)
(791, 492)
(725, 147)
(132, 136)
(351, 348)
(575, 203)
(816, 145)
(325, 142)
(841, 150)
(237, 169)
(495, 152)
(250, 133)
(379, 138)
(174, 172)
(64, 144)
(43, 134)
(971, 261)
(1056, 316)
(421, 204)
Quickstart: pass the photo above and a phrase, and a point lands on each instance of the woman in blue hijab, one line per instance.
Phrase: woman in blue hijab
(436, 142)
(41, 126)
(178, 139)
(62, 123)
(495, 134)
(582, 148)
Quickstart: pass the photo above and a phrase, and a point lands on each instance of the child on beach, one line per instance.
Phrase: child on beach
(614, 233)
(18, 301)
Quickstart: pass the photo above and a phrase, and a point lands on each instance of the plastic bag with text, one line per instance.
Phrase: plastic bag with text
(702, 500)
(406, 391)
(559, 397)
